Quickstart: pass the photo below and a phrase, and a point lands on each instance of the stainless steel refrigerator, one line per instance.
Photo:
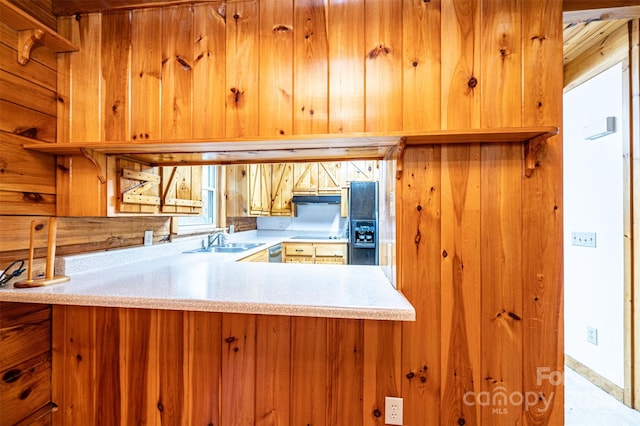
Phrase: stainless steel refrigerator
(363, 223)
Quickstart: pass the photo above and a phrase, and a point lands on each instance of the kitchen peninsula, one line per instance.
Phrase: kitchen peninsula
(165, 277)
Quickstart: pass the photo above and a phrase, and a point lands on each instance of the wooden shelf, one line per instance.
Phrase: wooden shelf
(291, 148)
(32, 32)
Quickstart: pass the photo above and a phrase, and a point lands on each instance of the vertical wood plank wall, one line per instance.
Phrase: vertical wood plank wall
(479, 246)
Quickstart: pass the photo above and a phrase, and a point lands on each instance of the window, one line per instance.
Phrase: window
(209, 202)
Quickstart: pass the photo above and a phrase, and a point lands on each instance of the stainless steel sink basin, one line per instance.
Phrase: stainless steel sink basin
(226, 248)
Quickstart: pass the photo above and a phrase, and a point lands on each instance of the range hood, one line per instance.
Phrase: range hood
(316, 199)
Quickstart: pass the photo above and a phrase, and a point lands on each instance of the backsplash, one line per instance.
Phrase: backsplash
(311, 217)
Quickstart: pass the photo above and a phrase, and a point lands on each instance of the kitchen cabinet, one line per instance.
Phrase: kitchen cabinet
(325, 253)
(259, 189)
(305, 178)
(364, 170)
(281, 189)
(270, 189)
(261, 256)
(144, 189)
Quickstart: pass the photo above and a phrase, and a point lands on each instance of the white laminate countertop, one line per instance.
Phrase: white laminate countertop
(162, 277)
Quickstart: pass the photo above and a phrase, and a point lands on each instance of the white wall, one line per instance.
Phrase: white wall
(311, 217)
(594, 289)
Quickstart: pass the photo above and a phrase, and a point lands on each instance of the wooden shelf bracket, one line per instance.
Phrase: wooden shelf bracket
(32, 33)
(88, 154)
(531, 149)
(27, 40)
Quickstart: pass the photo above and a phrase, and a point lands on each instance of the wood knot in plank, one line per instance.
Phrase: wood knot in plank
(378, 50)
(160, 406)
(25, 394)
(115, 106)
(513, 316)
(417, 238)
(410, 375)
(31, 132)
(237, 95)
(39, 227)
(230, 339)
(183, 63)
(32, 197)
(11, 375)
(281, 28)
(539, 38)
(461, 421)
(377, 413)
(472, 83)
(222, 10)
(445, 254)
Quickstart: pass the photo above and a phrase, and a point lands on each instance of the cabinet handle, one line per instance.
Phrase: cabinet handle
(298, 250)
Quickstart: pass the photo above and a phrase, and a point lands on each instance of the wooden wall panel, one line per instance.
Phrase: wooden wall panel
(146, 73)
(209, 58)
(461, 71)
(171, 367)
(501, 174)
(177, 72)
(310, 75)
(204, 342)
(115, 51)
(383, 65)
(273, 374)
(25, 361)
(542, 291)
(346, 48)
(23, 92)
(276, 68)
(309, 390)
(238, 394)
(34, 71)
(382, 368)
(501, 64)
(139, 366)
(421, 64)
(85, 64)
(345, 373)
(461, 283)
(419, 257)
(242, 72)
(20, 120)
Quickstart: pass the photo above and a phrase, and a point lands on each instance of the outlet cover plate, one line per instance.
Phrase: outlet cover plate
(393, 410)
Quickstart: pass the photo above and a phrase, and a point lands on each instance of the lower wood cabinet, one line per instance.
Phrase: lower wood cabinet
(261, 256)
(326, 253)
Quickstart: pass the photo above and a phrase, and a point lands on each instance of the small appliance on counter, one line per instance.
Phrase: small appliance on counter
(363, 216)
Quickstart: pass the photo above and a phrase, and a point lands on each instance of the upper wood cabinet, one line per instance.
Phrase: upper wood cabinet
(143, 189)
(270, 189)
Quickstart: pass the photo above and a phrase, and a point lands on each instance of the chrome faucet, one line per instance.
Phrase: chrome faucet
(217, 238)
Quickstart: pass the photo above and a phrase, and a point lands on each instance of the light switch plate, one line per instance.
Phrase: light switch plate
(583, 239)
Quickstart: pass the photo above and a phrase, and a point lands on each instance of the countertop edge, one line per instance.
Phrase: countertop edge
(372, 313)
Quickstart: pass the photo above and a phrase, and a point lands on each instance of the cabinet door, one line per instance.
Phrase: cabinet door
(259, 189)
(182, 190)
(138, 187)
(334, 253)
(281, 189)
(261, 256)
(363, 170)
(237, 190)
(305, 178)
(330, 178)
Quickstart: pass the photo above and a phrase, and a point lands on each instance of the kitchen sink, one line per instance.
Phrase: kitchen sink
(226, 248)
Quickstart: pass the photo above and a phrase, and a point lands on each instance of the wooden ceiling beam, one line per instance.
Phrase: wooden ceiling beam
(607, 12)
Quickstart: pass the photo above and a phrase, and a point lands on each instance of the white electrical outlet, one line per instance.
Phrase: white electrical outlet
(592, 335)
(392, 410)
(148, 238)
(583, 239)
